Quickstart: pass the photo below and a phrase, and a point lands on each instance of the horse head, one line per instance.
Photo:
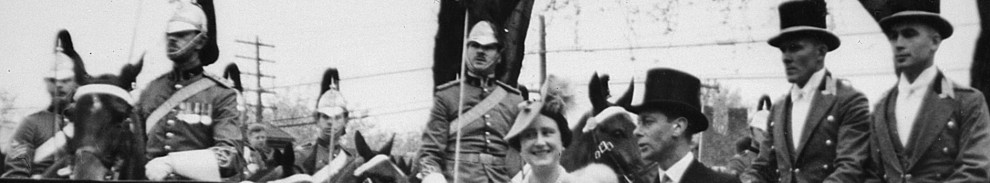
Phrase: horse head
(374, 166)
(103, 138)
(605, 134)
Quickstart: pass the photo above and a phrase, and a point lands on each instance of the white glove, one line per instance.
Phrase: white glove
(434, 178)
(157, 169)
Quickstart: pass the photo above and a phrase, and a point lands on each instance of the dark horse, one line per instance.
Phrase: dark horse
(106, 144)
(373, 166)
(605, 136)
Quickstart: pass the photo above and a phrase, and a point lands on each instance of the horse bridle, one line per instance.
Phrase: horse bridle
(604, 150)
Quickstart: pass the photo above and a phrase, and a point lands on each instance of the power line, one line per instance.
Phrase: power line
(359, 77)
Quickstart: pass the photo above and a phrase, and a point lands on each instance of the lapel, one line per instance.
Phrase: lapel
(936, 108)
(782, 129)
(821, 104)
(884, 116)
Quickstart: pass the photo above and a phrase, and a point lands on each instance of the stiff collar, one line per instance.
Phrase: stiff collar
(920, 84)
(809, 88)
(475, 80)
(181, 75)
(676, 171)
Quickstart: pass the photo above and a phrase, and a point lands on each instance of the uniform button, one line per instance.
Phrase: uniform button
(797, 170)
(771, 147)
(945, 150)
(488, 133)
(488, 123)
(168, 148)
(170, 122)
(177, 86)
(828, 142)
(951, 124)
(169, 134)
(486, 89)
(907, 176)
(885, 176)
(487, 116)
(825, 166)
(830, 118)
(488, 141)
(771, 123)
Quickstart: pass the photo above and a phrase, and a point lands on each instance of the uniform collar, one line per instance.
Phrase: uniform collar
(809, 88)
(920, 84)
(676, 171)
(473, 79)
(181, 75)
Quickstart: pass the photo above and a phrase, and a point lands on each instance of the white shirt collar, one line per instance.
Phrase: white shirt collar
(676, 171)
(809, 88)
(920, 84)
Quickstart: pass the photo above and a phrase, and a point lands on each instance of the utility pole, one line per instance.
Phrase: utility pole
(259, 107)
(543, 51)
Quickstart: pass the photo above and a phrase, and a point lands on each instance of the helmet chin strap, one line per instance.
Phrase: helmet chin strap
(186, 48)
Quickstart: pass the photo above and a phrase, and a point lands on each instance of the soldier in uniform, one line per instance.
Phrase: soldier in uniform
(323, 158)
(186, 109)
(489, 109)
(927, 128)
(818, 132)
(37, 128)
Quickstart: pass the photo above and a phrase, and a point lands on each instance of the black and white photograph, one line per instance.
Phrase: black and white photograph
(495, 91)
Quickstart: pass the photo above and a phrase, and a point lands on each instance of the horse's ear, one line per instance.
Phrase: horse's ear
(331, 79)
(597, 95)
(765, 103)
(234, 74)
(387, 148)
(362, 146)
(128, 74)
(63, 43)
(626, 99)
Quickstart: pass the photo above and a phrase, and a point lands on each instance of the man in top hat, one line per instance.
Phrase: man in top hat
(37, 128)
(489, 108)
(927, 128)
(187, 109)
(818, 131)
(668, 117)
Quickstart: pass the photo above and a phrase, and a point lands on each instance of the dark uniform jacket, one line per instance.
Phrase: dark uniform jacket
(833, 146)
(31, 133)
(171, 134)
(697, 172)
(950, 140)
(312, 157)
(484, 153)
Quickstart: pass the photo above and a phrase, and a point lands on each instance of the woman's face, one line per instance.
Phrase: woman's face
(541, 144)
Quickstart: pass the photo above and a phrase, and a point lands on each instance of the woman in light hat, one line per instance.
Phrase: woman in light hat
(540, 134)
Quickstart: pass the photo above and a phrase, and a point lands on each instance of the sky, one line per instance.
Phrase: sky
(723, 41)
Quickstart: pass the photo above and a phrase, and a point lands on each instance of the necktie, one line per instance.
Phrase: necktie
(666, 179)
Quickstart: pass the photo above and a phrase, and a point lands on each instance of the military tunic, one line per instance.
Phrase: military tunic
(172, 133)
(485, 155)
(31, 133)
(312, 157)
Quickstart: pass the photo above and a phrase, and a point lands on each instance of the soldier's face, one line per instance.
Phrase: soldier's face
(61, 88)
(802, 57)
(332, 125)
(182, 45)
(481, 59)
(656, 135)
(541, 144)
(914, 45)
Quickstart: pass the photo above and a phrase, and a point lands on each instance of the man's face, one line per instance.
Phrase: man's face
(258, 140)
(914, 45)
(332, 126)
(802, 57)
(481, 59)
(61, 88)
(655, 133)
(541, 143)
(182, 44)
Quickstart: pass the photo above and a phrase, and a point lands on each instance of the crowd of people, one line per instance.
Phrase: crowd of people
(926, 128)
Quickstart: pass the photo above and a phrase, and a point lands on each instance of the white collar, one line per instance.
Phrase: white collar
(809, 88)
(676, 171)
(924, 79)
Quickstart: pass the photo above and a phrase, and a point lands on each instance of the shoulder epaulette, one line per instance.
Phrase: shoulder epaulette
(448, 84)
(220, 80)
(507, 87)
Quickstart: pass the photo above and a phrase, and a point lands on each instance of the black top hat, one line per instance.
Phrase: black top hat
(923, 11)
(804, 18)
(675, 92)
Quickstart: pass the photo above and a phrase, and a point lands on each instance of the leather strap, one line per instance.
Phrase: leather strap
(173, 101)
(471, 115)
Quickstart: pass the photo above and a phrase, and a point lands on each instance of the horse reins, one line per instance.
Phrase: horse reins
(604, 150)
